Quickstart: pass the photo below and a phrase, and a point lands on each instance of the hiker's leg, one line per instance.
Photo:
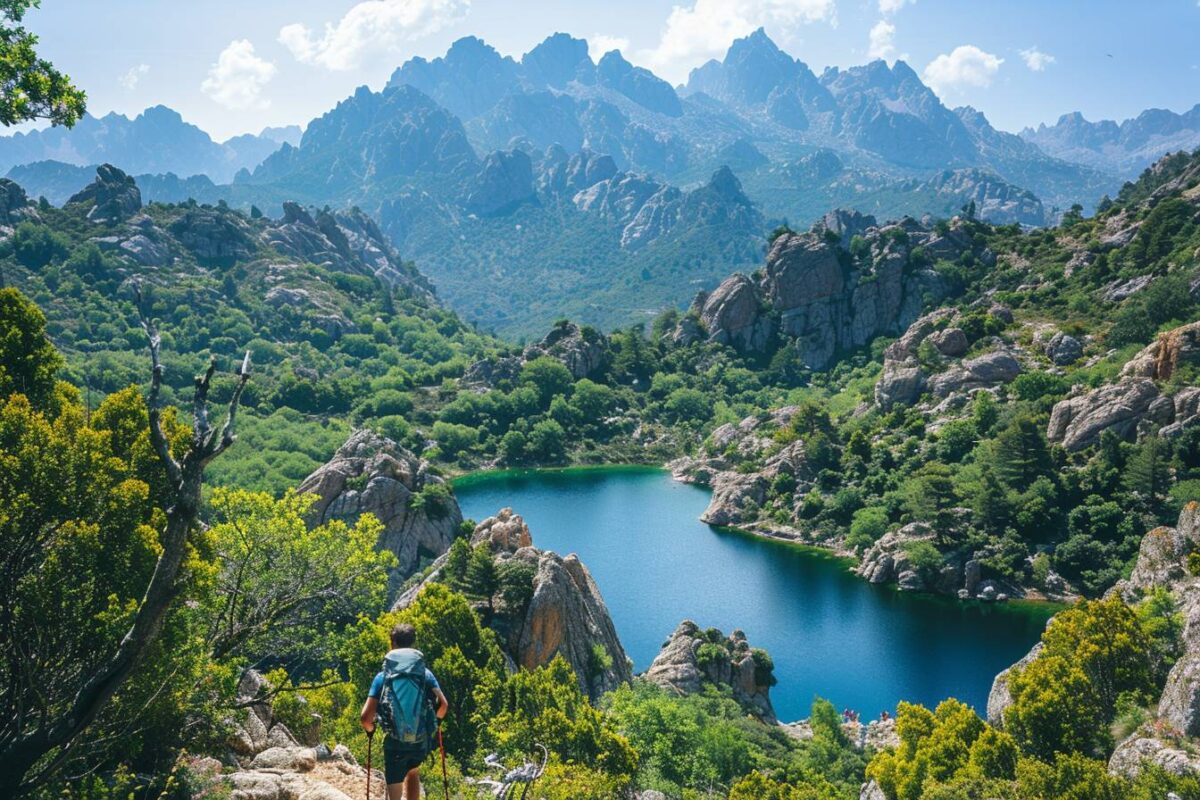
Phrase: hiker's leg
(412, 785)
(395, 791)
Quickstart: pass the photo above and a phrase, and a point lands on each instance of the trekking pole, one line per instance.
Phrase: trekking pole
(442, 747)
(370, 738)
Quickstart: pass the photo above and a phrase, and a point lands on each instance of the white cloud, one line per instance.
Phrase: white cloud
(129, 80)
(892, 6)
(706, 28)
(966, 65)
(881, 40)
(599, 44)
(237, 80)
(368, 28)
(1036, 60)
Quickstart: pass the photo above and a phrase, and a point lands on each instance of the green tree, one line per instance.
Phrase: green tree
(548, 377)
(1055, 709)
(547, 441)
(29, 363)
(286, 589)
(1148, 470)
(1020, 453)
(930, 498)
(687, 405)
(33, 88)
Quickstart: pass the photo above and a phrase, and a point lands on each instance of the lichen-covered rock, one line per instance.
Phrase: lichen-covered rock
(1133, 754)
(298, 759)
(691, 657)
(372, 474)
(113, 196)
(1179, 705)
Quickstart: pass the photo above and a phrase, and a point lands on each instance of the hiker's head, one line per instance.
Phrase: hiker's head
(403, 635)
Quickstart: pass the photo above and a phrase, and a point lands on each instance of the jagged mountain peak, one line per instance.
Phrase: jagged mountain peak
(559, 59)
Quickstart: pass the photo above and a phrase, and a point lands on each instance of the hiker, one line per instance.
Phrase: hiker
(403, 696)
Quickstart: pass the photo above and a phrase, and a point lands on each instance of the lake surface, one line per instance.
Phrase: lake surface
(830, 633)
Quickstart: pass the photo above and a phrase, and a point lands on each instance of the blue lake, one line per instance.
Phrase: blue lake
(830, 633)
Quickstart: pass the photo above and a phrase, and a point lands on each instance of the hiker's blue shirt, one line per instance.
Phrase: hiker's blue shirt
(377, 684)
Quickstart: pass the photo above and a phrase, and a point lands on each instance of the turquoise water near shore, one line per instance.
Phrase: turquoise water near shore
(830, 633)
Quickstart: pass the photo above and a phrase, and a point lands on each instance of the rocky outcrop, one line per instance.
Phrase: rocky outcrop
(372, 474)
(214, 234)
(504, 182)
(567, 617)
(583, 351)
(1063, 349)
(113, 196)
(1122, 407)
(735, 498)
(1166, 354)
(692, 657)
(733, 315)
(904, 379)
(14, 203)
(564, 616)
(988, 370)
(1000, 697)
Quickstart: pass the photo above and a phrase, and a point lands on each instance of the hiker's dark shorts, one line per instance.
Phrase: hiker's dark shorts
(398, 760)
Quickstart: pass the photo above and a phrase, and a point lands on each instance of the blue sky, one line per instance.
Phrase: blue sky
(236, 66)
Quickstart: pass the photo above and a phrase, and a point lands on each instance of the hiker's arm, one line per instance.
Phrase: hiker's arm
(443, 704)
(367, 717)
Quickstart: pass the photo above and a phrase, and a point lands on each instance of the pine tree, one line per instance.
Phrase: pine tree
(482, 580)
(990, 502)
(1147, 471)
(1020, 453)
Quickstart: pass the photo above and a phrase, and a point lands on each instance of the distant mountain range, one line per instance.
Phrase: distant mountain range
(558, 185)
(1124, 148)
(155, 141)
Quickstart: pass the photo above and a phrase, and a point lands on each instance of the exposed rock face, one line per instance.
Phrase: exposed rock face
(735, 498)
(505, 182)
(372, 474)
(1064, 349)
(505, 532)
(1077, 422)
(347, 240)
(990, 369)
(821, 300)
(1000, 698)
(14, 203)
(565, 615)
(733, 314)
(583, 351)
(214, 234)
(1160, 359)
(113, 196)
(692, 657)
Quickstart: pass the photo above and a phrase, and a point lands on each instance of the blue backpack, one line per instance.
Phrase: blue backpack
(405, 706)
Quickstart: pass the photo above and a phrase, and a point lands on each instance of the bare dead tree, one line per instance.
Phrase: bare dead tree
(23, 760)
